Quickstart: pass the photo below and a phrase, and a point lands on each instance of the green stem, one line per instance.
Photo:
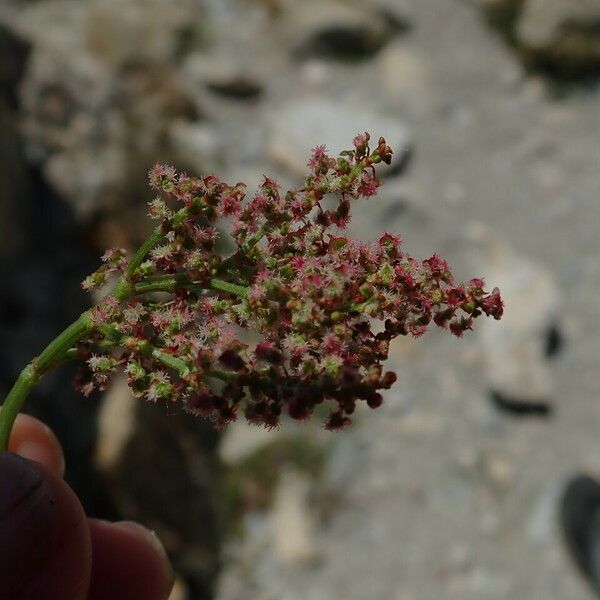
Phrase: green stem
(61, 347)
(145, 347)
(145, 248)
(161, 283)
(230, 288)
(254, 239)
(152, 241)
(56, 351)
(171, 361)
(168, 283)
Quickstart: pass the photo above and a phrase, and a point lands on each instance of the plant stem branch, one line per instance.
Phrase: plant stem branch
(55, 352)
(168, 283)
(145, 248)
(61, 347)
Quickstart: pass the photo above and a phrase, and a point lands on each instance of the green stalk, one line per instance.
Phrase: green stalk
(152, 241)
(230, 288)
(61, 348)
(168, 283)
(145, 248)
(55, 352)
(254, 239)
(119, 340)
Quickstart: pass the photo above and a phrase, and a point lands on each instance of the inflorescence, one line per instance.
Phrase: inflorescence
(177, 321)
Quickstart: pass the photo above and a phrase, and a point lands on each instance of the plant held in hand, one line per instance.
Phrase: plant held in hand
(176, 317)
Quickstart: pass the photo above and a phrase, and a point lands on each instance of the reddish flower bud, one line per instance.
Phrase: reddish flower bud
(231, 359)
(375, 400)
(266, 351)
(337, 421)
(388, 380)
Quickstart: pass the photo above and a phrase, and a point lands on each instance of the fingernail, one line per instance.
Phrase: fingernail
(152, 539)
(28, 522)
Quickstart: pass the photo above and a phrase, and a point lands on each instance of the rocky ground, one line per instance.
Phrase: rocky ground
(452, 489)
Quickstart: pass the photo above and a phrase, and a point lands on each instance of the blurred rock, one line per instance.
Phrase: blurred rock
(562, 37)
(516, 349)
(292, 523)
(100, 89)
(179, 591)
(404, 77)
(420, 424)
(564, 34)
(196, 145)
(122, 33)
(579, 508)
(499, 470)
(541, 524)
(399, 13)
(116, 424)
(218, 84)
(498, 6)
(334, 30)
(241, 439)
(491, 4)
(301, 125)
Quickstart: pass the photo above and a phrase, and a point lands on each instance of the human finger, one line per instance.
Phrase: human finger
(45, 549)
(128, 561)
(34, 440)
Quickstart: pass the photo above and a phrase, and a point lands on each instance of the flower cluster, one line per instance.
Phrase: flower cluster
(180, 317)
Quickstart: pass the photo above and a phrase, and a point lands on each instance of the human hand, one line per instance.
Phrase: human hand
(49, 549)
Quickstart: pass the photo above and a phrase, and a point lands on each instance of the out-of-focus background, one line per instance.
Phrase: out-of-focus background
(457, 487)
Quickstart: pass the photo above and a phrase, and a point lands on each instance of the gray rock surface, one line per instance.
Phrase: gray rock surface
(342, 30)
(557, 35)
(437, 494)
(516, 354)
(566, 32)
(99, 90)
(303, 124)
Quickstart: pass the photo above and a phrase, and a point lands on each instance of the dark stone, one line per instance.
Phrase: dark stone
(516, 407)
(554, 342)
(237, 89)
(579, 516)
(13, 56)
(342, 43)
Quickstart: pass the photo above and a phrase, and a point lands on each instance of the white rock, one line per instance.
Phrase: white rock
(292, 522)
(300, 126)
(545, 22)
(125, 31)
(515, 347)
(88, 116)
(196, 145)
(500, 471)
(404, 77)
(242, 439)
(307, 26)
(421, 423)
(542, 524)
(564, 31)
(116, 424)
(493, 4)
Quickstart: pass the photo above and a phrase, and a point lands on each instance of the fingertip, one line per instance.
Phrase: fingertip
(35, 441)
(128, 561)
(44, 536)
